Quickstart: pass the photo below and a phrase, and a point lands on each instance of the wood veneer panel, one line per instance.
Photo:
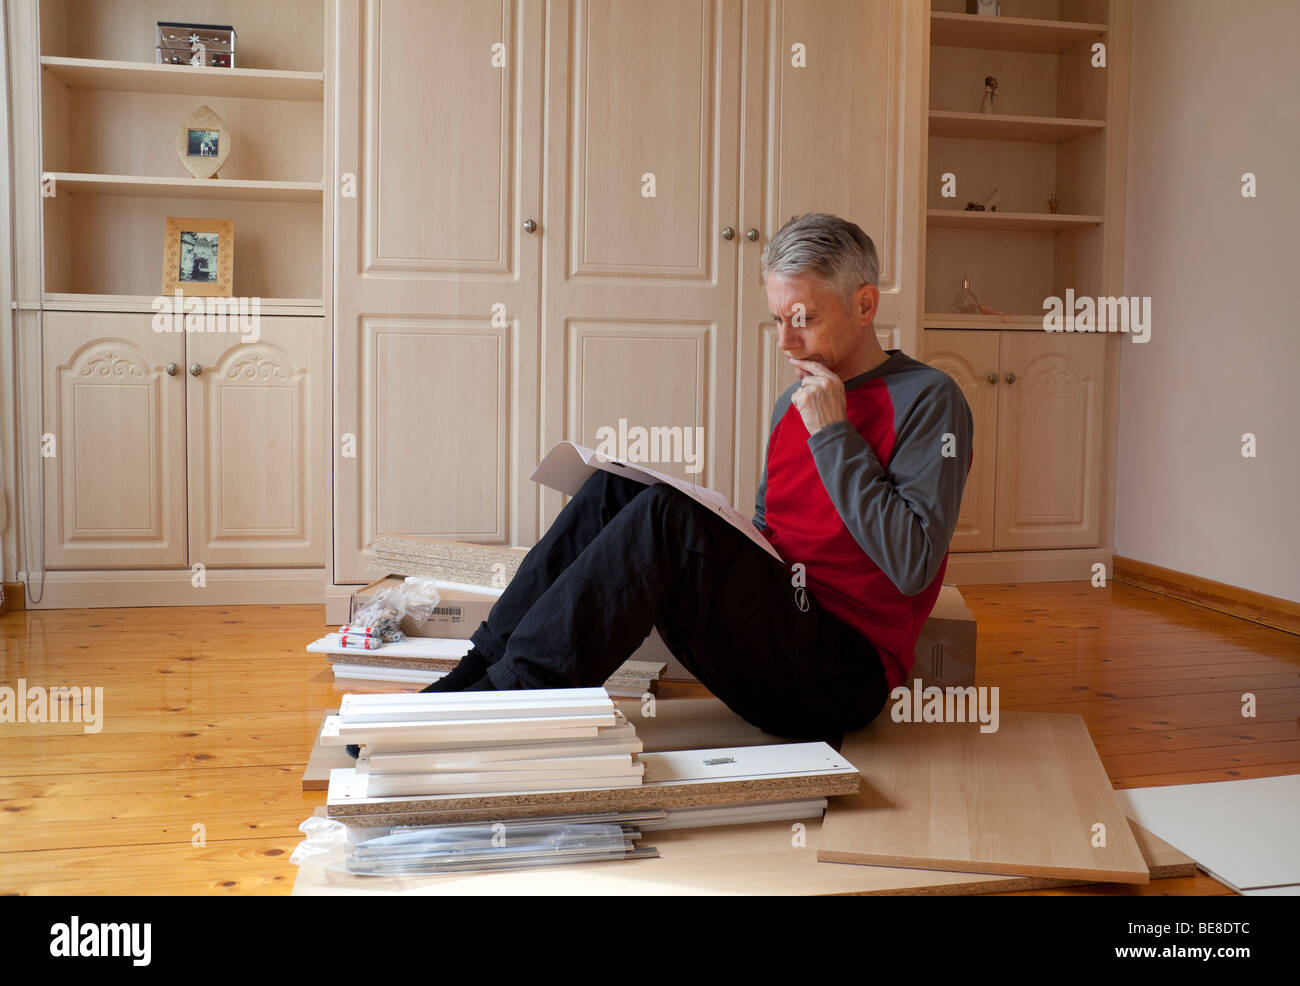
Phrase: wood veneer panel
(1022, 800)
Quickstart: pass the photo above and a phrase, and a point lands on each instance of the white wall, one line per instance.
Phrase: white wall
(1213, 95)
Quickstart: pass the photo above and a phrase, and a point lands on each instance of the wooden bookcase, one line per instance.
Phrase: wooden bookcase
(108, 118)
(1048, 135)
(1039, 501)
(177, 450)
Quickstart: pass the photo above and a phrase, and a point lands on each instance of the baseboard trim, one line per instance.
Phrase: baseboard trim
(995, 567)
(15, 598)
(1245, 604)
(173, 587)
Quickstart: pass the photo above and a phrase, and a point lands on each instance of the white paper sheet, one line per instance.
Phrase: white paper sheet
(568, 465)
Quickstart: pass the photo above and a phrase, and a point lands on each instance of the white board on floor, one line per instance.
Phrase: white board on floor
(446, 647)
(1241, 832)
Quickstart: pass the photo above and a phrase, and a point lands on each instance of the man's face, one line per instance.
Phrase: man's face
(829, 334)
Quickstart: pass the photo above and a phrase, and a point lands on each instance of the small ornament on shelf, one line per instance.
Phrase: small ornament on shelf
(203, 143)
(990, 93)
(201, 45)
(985, 8)
(990, 204)
(966, 303)
(1054, 203)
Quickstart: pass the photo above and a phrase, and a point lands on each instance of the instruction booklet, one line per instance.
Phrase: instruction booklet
(567, 465)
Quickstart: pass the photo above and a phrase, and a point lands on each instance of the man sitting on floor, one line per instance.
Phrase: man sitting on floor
(867, 458)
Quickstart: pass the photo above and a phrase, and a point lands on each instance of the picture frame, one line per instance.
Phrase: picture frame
(199, 257)
(203, 143)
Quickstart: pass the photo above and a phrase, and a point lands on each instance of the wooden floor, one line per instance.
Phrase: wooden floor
(194, 784)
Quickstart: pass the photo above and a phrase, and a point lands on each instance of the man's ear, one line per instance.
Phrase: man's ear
(865, 302)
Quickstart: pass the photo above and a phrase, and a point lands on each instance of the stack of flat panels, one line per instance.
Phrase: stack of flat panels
(453, 562)
(470, 743)
(421, 660)
(676, 779)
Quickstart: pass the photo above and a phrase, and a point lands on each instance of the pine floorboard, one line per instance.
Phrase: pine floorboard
(193, 784)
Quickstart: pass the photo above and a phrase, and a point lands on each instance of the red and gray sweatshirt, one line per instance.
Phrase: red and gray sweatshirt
(869, 504)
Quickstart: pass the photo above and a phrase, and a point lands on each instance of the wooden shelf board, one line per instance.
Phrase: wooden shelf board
(195, 188)
(1044, 222)
(242, 83)
(1009, 33)
(998, 126)
(71, 302)
(941, 320)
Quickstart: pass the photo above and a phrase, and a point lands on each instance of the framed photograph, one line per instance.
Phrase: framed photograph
(203, 143)
(199, 257)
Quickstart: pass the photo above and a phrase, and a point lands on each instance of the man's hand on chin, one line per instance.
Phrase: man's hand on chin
(820, 397)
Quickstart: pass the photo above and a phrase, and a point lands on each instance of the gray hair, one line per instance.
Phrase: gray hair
(834, 249)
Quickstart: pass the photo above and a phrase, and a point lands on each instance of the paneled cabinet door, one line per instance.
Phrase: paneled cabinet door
(440, 119)
(114, 467)
(970, 358)
(257, 487)
(833, 117)
(1049, 440)
(640, 323)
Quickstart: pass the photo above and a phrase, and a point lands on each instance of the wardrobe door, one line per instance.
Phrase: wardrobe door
(1049, 440)
(971, 357)
(439, 123)
(256, 445)
(114, 445)
(834, 118)
(640, 292)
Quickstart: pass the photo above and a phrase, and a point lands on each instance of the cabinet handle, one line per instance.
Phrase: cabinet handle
(1011, 377)
(530, 226)
(993, 378)
(195, 369)
(728, 233)
(171, 369)
(751, 234)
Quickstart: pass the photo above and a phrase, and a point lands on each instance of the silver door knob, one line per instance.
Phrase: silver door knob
(530, 226)
(171, 369)
(1011, 377)
(195, 369)
(993, 378)
(728, 233)
(751, 234)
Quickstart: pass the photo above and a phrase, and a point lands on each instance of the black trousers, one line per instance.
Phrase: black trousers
(623, 558)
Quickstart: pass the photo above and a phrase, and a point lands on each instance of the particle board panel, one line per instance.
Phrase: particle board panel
(1242, 833)
(946, 796)
(675, 779)
(768, 858)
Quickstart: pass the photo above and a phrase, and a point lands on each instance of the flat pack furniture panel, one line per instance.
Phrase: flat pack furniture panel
(447, 651)
(1025, 799)
(322, 760)
(682, 778)
(520, 759)
(758, 858)
(692, 724)
(677, 724)
(1243, 833)
(458, 730)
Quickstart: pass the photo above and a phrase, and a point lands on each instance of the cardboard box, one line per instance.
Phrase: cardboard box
(945, 650)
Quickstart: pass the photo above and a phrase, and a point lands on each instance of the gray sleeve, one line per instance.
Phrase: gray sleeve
(760, 500)
(903, 517)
